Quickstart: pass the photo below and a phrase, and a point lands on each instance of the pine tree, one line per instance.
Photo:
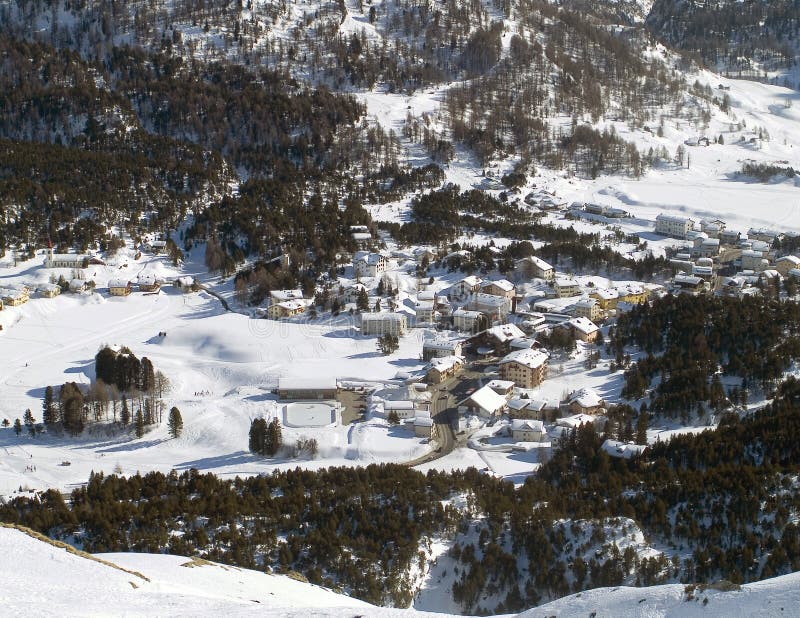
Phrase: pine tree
(362, 302)
(71, 403)
(17, 426)
(274, 438)
(258, 435)
(175, 422)
(641, 426)
(30, 422)
(49, 416)
(125, 413)
(139, 424)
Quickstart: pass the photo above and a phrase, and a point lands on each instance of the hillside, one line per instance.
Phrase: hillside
(70, 584)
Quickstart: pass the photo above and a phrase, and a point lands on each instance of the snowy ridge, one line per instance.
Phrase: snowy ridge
(69, 584)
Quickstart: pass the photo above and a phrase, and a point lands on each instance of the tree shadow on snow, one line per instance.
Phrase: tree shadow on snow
(208, 463)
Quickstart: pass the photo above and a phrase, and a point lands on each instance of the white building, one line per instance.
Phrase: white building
(384, 324)
(465, 288)
(524, 430)
(495, 307)
(584, 329)
(533, 266)
(588, 308)
(754, 260)
(367, 264)
(565, 287)
(403, 409)
(674, 225)
(439, 347)
(485, 402)
(425, 311)
(65, 260)
(465, 320)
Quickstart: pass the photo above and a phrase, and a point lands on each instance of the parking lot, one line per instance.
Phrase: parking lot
(353, 406)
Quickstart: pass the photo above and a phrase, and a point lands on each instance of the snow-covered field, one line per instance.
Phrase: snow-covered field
(42, 579)
(222, 366)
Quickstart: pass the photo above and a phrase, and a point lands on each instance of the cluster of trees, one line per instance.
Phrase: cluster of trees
(131, 389)
(764, 172)
(265, 438)
(688, 343)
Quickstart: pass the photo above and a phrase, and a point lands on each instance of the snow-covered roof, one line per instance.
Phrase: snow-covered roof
(146, 279)
(378, 317)
(523, 424)
(793, 259)
(605, 294)
(587, 303)
(292, 305)
(487, 399)
(278, 296)
(506, 332)
(539, 263)
(185, 281)
(471, 281)
(48, 287)
(586, 398)
(306, 384)
(466, 313)
(490, 300)
(445, 363)
(361, 235)
(440, 343)
(576, 420)
(426, 295)
(423, 419)
(398, 405)
(503, 284)
(673, 218)
(527, 357)
(118, 283)
(564, 282)
(584, 324)
(523, 343)
(615, 448)
(368, 257)
(500, 385)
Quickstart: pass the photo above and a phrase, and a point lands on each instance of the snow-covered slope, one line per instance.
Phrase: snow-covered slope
(40, 578)
(772, 597)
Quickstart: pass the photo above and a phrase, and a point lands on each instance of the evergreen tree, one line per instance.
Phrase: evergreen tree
(17, 426)
(362, 302)
(258, 436)
(125, 413)
(71, 403)
(139, 424)
(641, 426)
(388, 343)
(49, 415)
(274, 438)
(30, 422)
(175, 422)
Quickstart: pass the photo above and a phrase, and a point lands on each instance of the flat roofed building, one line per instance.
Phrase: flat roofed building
(384, 324)
(307, 389)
